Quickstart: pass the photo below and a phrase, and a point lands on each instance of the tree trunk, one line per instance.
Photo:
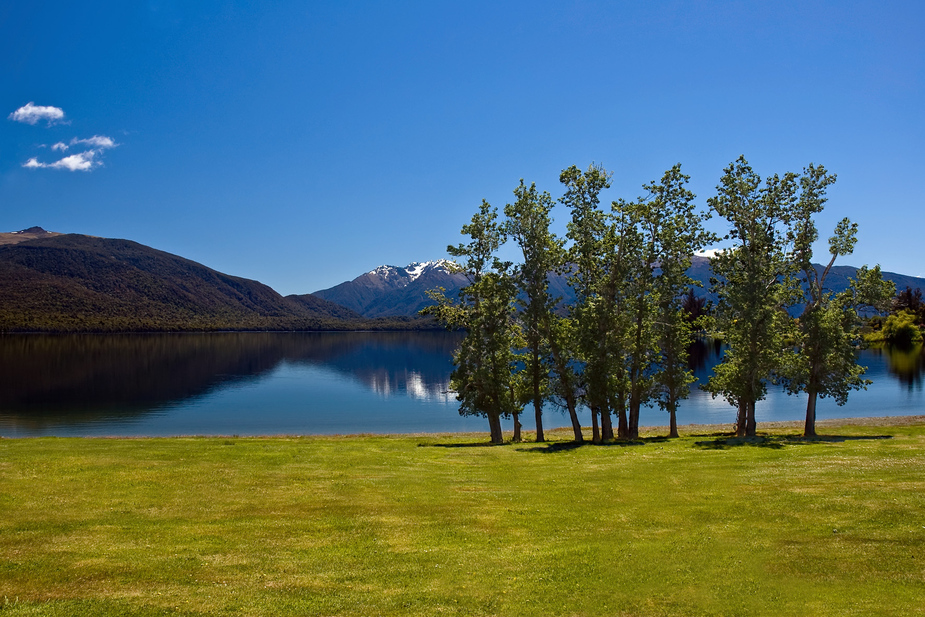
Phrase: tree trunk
(750, 423)
(494, 424)
(569, 393)
(537, 399)
(606, 425)
(516, 438)
(672, 418)
(740, 419)
(573, 416)
(595, 432)
(633, 428)
(809, 428)
(623, 428)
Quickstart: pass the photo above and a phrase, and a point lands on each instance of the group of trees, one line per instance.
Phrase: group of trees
(623, 342)
(768, 270)
(905, 324)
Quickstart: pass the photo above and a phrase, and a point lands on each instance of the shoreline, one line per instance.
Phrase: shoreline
(645, 431)
(782, 424)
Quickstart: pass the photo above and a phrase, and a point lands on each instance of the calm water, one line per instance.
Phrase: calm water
(319, 383)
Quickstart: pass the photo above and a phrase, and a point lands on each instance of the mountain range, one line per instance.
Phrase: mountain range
(393, 290)
(400, 291)
(77, 283)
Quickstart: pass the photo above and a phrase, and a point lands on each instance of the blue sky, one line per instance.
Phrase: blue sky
(303, 143)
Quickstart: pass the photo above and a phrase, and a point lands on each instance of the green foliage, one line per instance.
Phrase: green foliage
(899, 329)
(910, 300)
(678, 233)
(625, 340)
(596, 269)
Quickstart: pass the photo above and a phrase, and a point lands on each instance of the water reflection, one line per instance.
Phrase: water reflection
(907, 364)
(703, 355)
(273, 383)
(77, 379)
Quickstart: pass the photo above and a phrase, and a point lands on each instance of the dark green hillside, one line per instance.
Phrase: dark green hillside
(323, 307)
(82, 283)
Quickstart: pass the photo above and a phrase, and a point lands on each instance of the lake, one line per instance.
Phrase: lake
(258, 383)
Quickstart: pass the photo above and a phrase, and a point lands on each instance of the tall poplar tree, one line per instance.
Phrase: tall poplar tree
(825, 365)
(485, 373)
(633, 293)
(657, 236)
(680, 234)
(592, 244)
(754, 280)
(528, 221)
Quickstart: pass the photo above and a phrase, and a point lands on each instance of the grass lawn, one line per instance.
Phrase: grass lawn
(442, 524)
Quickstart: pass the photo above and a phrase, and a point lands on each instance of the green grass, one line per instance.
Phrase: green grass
(426, 525)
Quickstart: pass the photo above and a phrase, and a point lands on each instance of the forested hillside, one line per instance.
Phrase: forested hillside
(80, 283)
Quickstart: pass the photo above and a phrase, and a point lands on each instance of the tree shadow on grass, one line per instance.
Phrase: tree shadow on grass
(547, 447)
(478, 444)
(564, 446)
(776, 442)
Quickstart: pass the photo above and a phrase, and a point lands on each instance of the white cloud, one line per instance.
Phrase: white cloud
(31, 114)
(709, 253)
(100, 142)
(82, 161)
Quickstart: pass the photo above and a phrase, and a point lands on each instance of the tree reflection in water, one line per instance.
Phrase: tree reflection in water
(907, 364)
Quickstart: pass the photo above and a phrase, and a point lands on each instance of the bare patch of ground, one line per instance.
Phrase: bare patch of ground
(15, 237)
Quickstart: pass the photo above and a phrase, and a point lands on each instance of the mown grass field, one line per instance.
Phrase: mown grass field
(441, 524)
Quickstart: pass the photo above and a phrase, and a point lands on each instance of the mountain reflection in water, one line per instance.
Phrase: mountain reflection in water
(344, 382)
(76, 380)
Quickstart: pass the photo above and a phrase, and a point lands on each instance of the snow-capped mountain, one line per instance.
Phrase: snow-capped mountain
(401, 277)
(394, 290)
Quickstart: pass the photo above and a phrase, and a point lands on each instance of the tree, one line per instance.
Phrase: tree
(561, 338)
(900, 329)
(590, 255)
(695, 309)
(486, 362)
(910, 300)
(658, 235)
(679, 234)
(825, 363)
(631, 295)
(528, 220)
(754, 281)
